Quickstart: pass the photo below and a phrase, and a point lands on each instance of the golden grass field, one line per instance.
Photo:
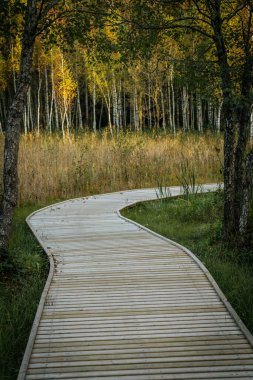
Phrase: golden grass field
(51, 168)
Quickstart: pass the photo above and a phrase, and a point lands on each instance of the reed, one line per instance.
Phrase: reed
(53, 168)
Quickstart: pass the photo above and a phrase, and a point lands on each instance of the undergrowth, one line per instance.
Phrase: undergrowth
(22, 280)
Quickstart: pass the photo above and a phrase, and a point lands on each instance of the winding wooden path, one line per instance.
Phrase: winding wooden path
(124, 303)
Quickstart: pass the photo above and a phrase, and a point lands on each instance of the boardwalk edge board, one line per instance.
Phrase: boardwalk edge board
(34, 329)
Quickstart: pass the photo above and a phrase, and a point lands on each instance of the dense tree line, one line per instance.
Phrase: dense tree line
(73, 89)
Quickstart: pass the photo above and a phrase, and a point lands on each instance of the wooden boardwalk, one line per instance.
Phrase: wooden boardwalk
(123, 303)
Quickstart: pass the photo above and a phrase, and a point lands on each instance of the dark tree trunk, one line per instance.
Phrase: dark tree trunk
(229, 188)
(11, 148)
(228, 114)
(243, 163)
(246, 192)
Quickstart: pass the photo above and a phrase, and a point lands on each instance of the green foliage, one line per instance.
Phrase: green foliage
(195, 222)
(21, 284)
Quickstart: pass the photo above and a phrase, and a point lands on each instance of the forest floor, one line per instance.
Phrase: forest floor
(195, 222)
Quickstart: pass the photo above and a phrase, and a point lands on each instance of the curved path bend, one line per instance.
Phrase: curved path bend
(124, 303)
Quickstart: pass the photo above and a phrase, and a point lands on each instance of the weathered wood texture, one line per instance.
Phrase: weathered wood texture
(123, 303)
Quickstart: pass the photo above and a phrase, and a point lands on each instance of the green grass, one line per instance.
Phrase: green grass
(195, 222)
(21, 283)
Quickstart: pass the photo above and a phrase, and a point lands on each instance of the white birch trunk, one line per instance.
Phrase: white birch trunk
(30, 120)
(64, 111)
(124, 110)
(25, 120)
(218, 118)
(192, 112)
(62, 116)
(156, 106)
(169, 105)
(100, 117)
(135, 110)
(173, 101)
(79, 111)
(210, 114)
(86, 102)
(185, 109)
(52, 103)
(94, 106)
(48, 124)
(120, 105)
(199, 112)
(163, 110)
(114, 104)
(38, 103)
(149, 103)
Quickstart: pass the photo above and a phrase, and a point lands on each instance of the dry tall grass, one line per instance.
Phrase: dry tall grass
(51, 168)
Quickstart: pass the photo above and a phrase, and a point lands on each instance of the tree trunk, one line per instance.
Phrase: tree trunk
(86, 103)
(229, 127)
(48, 125)
(94, 106)
(149, 103)
(251, 123)
(100, 116)
(124, 111)
(244, 211)
(11, 147)
(120, 114)
(173, 102)
(38, 103)
(243, 163)
(25, 120)
(29, 111)
(229, 141)
(185, 109)
(79, 111)
(218, 120)
(163, 110)
(199, 112)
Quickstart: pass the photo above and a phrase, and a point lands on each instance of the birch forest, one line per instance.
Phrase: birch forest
(98, 83)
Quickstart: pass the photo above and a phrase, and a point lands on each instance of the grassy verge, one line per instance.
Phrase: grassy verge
(21, 283)
(195, 222)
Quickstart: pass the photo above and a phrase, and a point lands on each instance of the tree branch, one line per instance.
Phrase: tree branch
(235, 12)
(44, 12)
(195, 2)
(175, 26)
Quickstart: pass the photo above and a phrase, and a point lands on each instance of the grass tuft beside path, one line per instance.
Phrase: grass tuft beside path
(195, 222)
(21, 283)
